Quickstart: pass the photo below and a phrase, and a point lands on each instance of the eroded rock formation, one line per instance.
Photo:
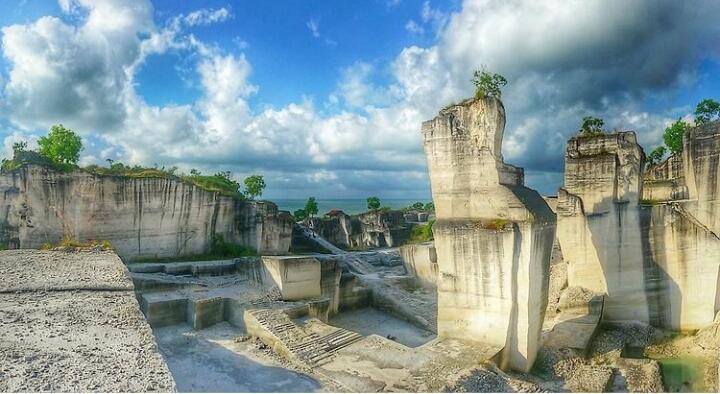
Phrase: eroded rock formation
(493, 235)
(656, 260)
(372, 229)
(599, 221)
(141, 217)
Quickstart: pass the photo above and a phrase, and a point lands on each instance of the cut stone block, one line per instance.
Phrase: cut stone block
(296, 277)
(205, 312)
(420, 261)
(163, 310)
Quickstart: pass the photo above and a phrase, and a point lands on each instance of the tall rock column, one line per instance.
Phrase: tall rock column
(492, 234)
(599, 224)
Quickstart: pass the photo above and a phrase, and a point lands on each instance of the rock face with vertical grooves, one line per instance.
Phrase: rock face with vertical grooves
(141, 217)
(659, 262)
(701, 167)
(493, 235)
(599, 221)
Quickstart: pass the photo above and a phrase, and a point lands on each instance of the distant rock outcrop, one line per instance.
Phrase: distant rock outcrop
(141, 217)
(374, 229)
(493, 235)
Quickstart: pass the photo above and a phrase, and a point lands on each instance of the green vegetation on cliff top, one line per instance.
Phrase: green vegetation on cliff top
(60, 150)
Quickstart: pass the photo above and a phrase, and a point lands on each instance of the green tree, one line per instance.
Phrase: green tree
(19, 146)
(487, 84)
(299, 214)
(418, 206)
(224, 175)
(311, 207)
(429, 207)
(373, 203)
(194, 172)
(706, 111)
(591, 126)
(254, 186)
(673, 136)
(656, 155)
(61, 145)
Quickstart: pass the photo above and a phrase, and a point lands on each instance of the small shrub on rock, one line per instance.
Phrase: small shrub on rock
(487, 84)
(591, 126)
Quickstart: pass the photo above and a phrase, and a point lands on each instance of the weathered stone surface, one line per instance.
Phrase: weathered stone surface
(682, 268)
(141, 217)
(599, 221)
(420, 261)
(665, 181)
(372, 229)
(493, 235)
(657, 263)
(577, 321)
(296, 277)
(64, 334)
(701, 164)
(39, 270)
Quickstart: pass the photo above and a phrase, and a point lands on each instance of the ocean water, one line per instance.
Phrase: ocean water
(349, 206)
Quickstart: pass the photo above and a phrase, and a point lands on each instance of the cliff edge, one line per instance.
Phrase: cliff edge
(142, 217)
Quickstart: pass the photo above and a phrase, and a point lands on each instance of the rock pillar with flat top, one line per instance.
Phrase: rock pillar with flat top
(493, 235)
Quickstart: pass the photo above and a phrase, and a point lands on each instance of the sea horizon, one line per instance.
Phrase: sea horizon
(350, 206)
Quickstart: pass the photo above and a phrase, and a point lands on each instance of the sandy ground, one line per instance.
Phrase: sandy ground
(212, 360)
(368, 321)
(64, 328)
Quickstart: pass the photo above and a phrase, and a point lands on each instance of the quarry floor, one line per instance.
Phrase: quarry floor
(369, 321)
(80, 328)
(214, 360)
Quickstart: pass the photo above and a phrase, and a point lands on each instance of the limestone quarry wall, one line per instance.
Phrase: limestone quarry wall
(656, 262)
(141, 217)
(599, 221)
(296, 277)
(701, 164)
(682, 268)
(665, 181)
(493, 236)
(420, 261)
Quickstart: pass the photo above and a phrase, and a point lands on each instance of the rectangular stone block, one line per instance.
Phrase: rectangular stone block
(163, 311)
(205, 312)
(420, 261)
(296, 277)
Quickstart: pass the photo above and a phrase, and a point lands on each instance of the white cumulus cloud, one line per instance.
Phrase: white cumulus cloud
(563, 60)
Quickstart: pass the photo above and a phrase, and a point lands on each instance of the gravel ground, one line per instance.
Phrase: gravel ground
(31, 270)
(69, 322)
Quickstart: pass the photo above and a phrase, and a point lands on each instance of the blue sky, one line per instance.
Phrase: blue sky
(326, 98)
(289, 61)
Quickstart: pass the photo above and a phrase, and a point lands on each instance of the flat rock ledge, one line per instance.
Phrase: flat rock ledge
(70, 322)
